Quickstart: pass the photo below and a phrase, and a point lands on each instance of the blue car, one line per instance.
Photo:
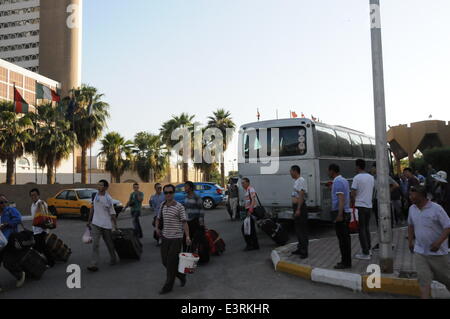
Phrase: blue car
(211, 194)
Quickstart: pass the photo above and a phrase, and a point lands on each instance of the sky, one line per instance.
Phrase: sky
(157, 58)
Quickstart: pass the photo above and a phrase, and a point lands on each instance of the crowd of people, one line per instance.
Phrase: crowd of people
(424, 202)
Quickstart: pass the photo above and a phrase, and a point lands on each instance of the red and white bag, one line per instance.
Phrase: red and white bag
(354, 222)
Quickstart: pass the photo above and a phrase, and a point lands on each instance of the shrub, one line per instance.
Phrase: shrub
(439, 158)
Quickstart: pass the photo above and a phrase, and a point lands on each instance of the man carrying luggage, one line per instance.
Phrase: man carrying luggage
(40, 234)
(135, 202)
(175, 226)
(102, 222)
(250, 204)
(300, 212)
(10, 219)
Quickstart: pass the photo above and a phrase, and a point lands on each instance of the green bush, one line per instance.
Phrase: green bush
(419, 164)
(439, 158)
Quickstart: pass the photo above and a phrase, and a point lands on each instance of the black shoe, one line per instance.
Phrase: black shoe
(92, 269)
(183, 280)
(342, 266)
(165, 290)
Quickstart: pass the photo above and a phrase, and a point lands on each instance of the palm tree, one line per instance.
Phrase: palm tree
(222, 120)
(15, 134)
(177, 122)
(151, 157)
(53, 139)
(88, 127)
(117, 152)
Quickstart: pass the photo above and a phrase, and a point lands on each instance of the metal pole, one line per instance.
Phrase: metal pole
(384, 210)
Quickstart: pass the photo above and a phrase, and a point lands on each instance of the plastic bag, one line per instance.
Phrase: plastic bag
(87, 237)
(248, 226)
(3, 241)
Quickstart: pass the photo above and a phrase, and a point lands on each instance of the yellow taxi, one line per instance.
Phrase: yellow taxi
(76, 202)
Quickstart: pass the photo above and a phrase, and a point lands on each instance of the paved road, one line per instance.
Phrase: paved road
(234, 275)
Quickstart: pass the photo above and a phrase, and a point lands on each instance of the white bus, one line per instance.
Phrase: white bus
(312, 146)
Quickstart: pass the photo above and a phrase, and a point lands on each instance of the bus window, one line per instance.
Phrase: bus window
(344, 144)
(374, 150)
(253, 149)
(357, 146)
(327, 141)
(292, 141)
(367, 147)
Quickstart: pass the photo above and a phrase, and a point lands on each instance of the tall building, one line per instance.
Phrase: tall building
(43, 36)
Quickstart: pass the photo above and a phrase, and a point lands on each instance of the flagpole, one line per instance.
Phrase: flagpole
(35, 142)
(15, 136)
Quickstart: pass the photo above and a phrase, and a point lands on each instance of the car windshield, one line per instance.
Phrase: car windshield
(86, 193)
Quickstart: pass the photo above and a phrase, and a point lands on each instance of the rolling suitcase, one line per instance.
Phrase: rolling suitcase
(33, 263)
(275, 231)
(57, 249)
(127, 245)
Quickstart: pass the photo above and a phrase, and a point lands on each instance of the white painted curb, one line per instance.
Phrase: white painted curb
(275, 258)
(337, 278)
(439, 291)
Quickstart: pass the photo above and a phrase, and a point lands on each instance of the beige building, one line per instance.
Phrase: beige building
(43, 36)
(406, 140)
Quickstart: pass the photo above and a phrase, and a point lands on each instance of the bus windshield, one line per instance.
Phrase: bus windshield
(292, 142)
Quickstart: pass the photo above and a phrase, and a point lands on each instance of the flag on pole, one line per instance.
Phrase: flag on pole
(303, 116)
(313, 119)
(258, 115)
(294, 115)
(45, 93)
(20, 106)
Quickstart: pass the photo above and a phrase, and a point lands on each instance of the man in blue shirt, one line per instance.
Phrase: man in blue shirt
(155, 204)
(10, 219)
(340, 197)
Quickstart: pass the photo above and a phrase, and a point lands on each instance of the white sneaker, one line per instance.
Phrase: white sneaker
(363, 257)
(21, 281)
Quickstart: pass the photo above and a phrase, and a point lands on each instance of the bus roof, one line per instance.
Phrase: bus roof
(295, 122)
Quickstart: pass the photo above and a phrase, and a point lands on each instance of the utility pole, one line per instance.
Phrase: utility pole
(384, 210)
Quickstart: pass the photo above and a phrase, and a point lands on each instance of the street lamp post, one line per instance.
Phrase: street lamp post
(385, 231)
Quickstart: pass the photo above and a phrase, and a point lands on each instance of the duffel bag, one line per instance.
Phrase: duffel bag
(57, 249)
(22, 240)
(33, 263)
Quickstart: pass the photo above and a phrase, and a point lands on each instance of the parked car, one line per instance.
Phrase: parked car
(211, 194)
(76, 202)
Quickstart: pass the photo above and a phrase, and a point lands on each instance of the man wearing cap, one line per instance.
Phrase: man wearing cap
(429, 226)
(441, 192)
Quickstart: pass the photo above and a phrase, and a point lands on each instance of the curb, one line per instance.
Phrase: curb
(356, 282)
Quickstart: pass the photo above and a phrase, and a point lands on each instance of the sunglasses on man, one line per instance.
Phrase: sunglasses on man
(168, 193)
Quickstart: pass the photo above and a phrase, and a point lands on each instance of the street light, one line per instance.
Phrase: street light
(384, 209)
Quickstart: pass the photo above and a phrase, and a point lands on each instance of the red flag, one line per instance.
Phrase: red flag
(19, 103)
(303, 116)
(294, 115)
(258, 115)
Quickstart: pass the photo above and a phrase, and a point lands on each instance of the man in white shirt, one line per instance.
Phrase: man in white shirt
(102, 222)
(429, 228)
(362, 196)
(40, 234)
(300, 212)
